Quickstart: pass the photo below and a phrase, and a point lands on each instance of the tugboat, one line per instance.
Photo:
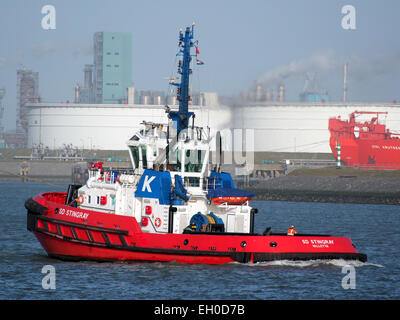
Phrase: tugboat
(173, 205)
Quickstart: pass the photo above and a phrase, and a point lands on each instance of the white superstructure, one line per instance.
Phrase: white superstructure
(144, 192)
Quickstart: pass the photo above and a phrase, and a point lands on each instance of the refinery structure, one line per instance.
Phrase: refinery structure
(27, 92)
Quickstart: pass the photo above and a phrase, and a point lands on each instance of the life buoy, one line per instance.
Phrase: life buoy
(81, 199)
(158, 222)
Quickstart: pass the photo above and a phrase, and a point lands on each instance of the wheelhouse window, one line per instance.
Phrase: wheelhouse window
(174, 160)
(144, 157)
(135, 155)
(192, 182)
(194, 160)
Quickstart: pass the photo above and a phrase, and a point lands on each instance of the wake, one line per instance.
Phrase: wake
(317, 263)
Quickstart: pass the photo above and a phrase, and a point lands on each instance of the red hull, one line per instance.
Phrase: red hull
(364, 144)
(77, 234)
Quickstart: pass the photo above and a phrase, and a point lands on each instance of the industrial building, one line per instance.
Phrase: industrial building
(275, 126)
(310, 92)
(112, 66)
(107, 79)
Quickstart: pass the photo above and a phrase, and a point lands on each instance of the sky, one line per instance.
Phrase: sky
(270, 41)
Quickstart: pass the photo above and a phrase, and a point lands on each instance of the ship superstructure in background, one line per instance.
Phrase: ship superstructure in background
(365, 142)
(173, 205)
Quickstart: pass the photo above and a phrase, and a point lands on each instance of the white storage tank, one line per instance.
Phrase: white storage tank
(104, 126)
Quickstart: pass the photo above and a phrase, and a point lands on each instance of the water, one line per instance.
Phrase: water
(373, 228)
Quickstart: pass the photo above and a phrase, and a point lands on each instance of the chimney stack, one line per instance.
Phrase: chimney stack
(77, 93)
(281, 93)
(345, 83)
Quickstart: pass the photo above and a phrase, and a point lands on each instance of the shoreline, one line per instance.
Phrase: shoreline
(326, 196)
(360, 189)
(66, 179)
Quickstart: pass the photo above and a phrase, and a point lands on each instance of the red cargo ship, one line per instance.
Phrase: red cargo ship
(365, 144)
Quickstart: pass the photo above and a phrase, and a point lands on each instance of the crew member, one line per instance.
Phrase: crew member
(74, 202)
(291, 231)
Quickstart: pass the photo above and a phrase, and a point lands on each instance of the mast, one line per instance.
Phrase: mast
(181, 117)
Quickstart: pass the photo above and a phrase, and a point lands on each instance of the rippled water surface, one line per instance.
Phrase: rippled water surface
(373, 228)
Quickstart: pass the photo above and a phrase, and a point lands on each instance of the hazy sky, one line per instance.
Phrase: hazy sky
(239, 41)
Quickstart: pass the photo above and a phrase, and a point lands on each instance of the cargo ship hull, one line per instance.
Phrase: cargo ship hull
(367, 145)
